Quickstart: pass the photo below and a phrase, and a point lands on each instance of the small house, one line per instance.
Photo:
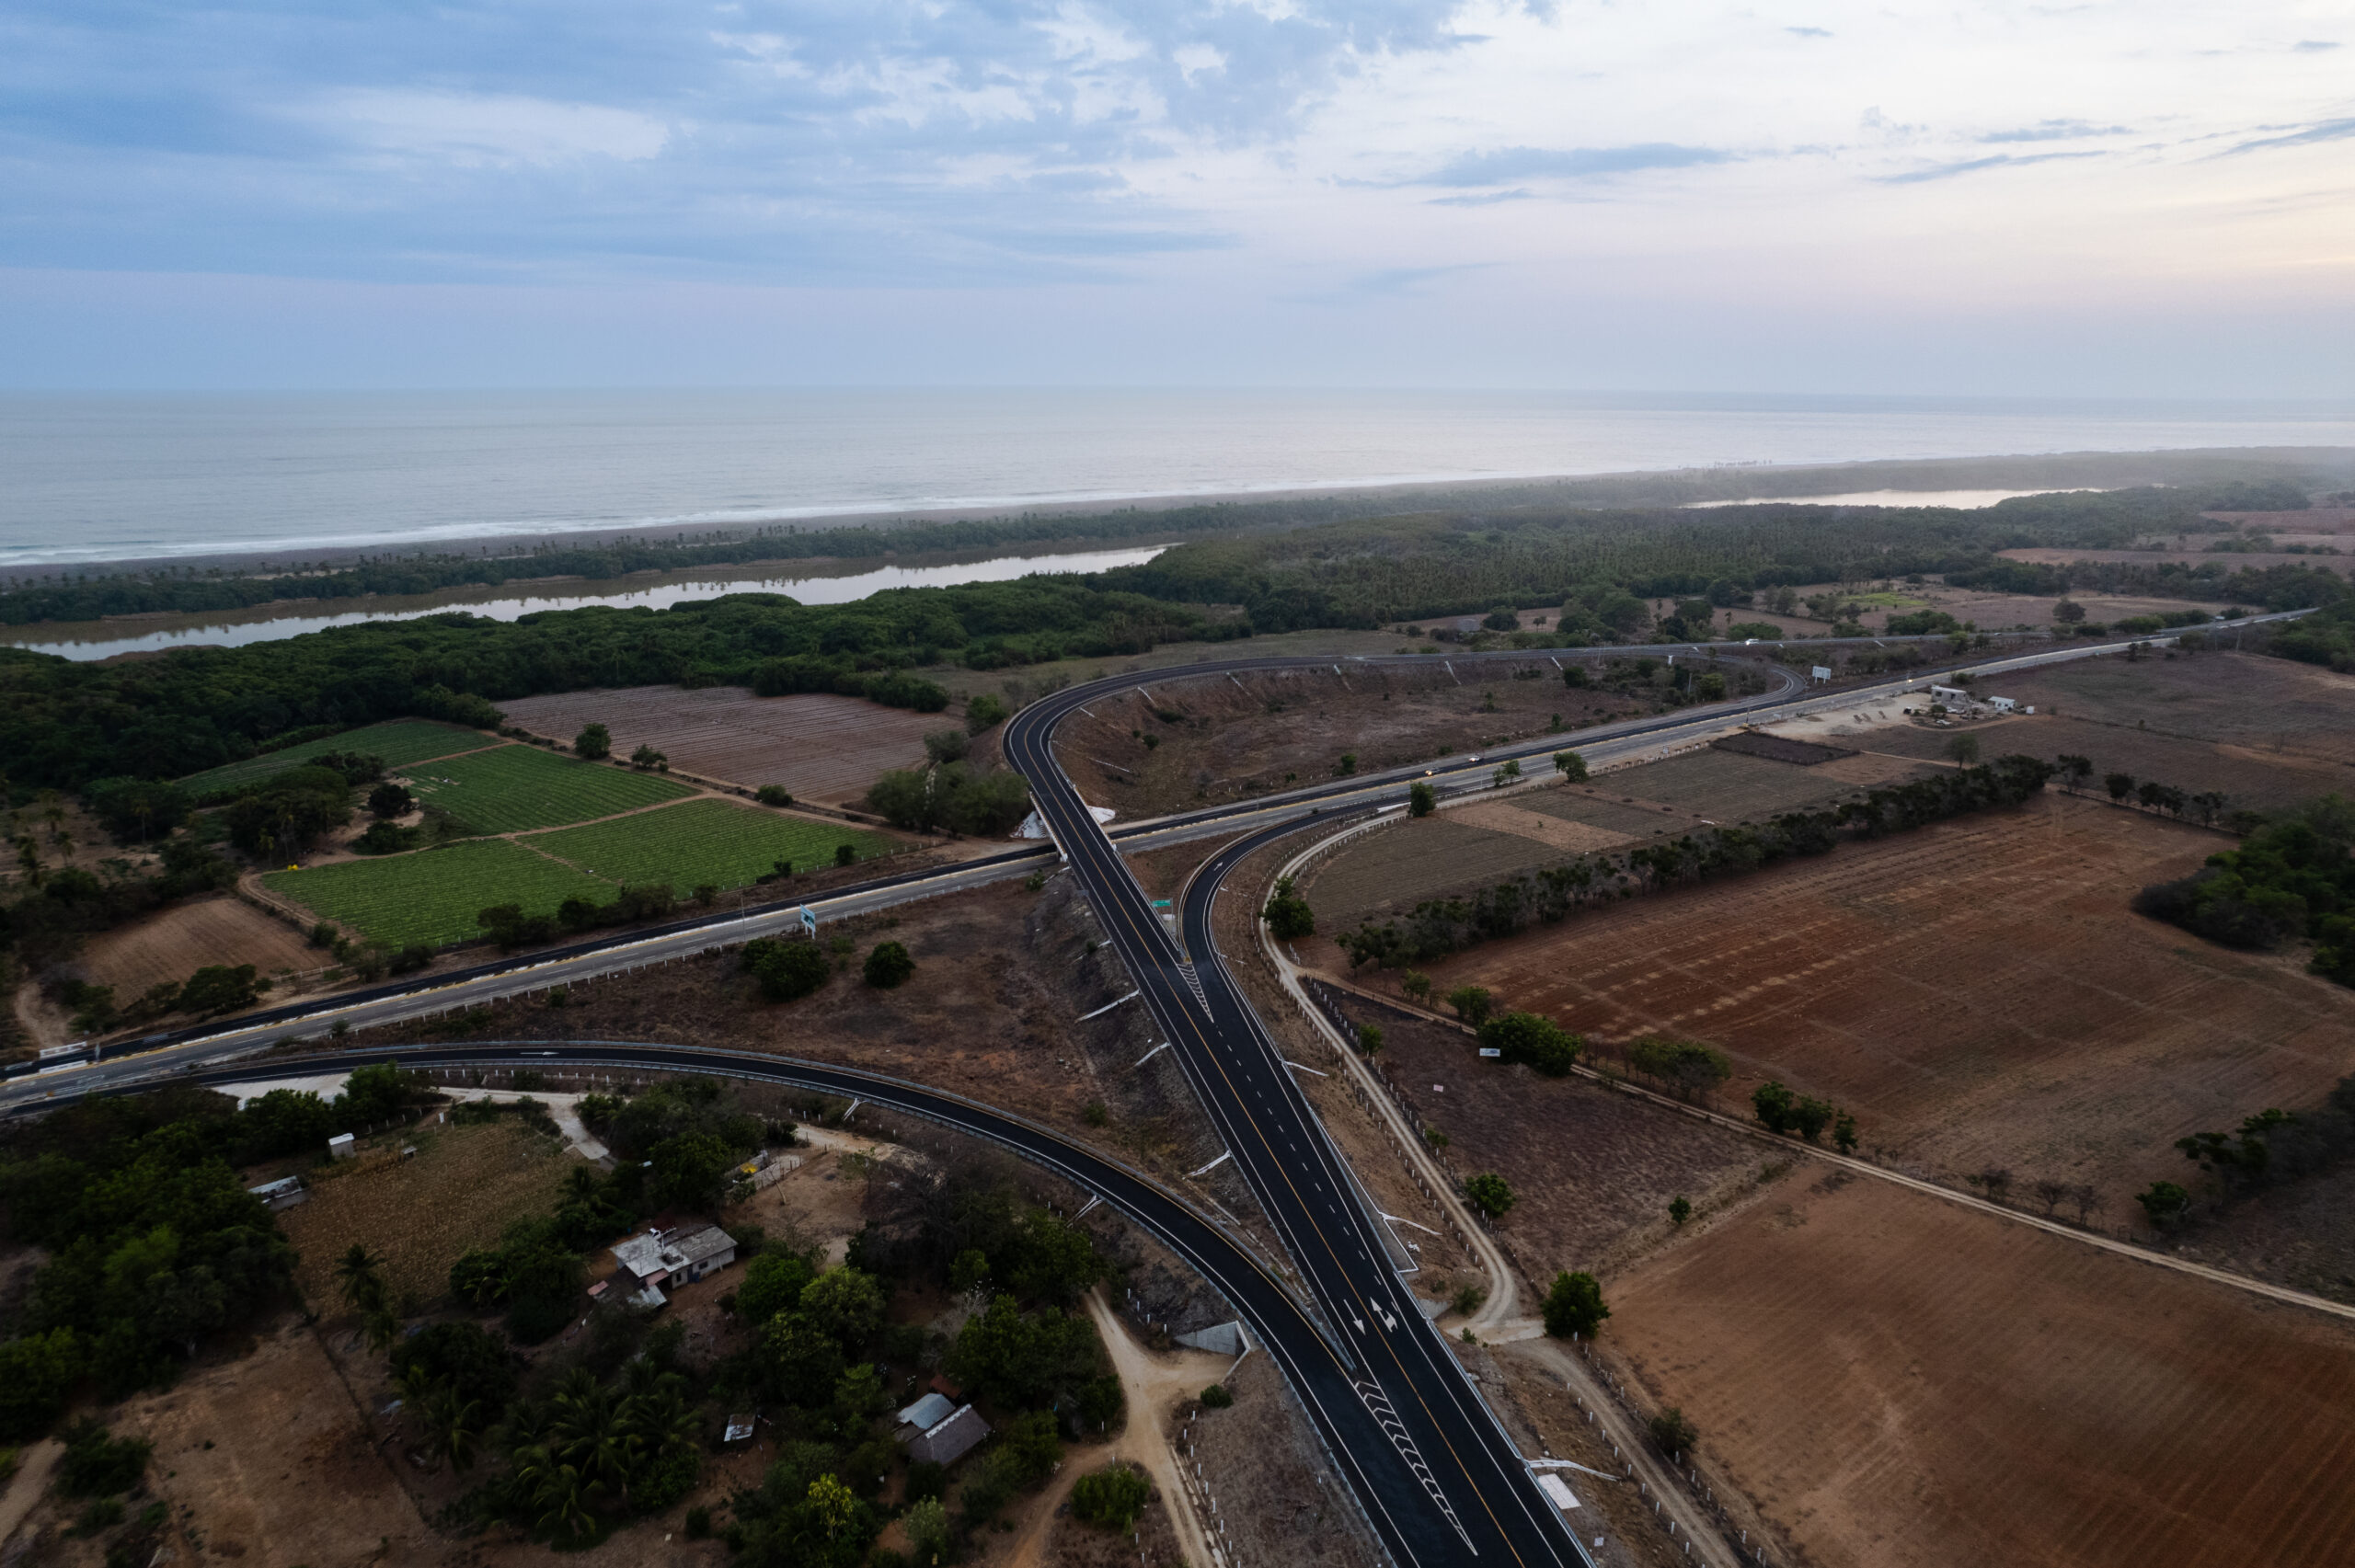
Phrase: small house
(1952, 696)
(342, 1146)
(284, 1193)
(738, 1430)
(674, 1258)
(949, 1439)
(2004, 704)
(1557, 1490)
(927, 1411)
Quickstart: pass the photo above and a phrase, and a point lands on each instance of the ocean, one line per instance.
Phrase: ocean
(90, 479)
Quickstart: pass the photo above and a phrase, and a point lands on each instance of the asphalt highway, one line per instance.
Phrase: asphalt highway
(1438, 1477)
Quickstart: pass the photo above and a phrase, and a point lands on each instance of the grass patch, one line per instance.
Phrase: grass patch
(399, 741)
(432, 897)
(515, 787)
(704, 840)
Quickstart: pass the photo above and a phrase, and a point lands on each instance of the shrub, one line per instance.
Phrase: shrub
(2163, 1202)
(1216, 1397)
(772, 795)
(1574, 1305)
(1687, 1066)
(984, 712)
(1489, 1192)
(1571, 765)
(389, 799)
(1288, 915)
(845, 853)
(785, 970)
(1680, 1209)
(1534, 1039)
(1674, 1432)
(1110, 1499)
(96, 1465)
(1421, 799)
(889, 965)
(594, 743)
(1471, 1003)
(1370, 1039)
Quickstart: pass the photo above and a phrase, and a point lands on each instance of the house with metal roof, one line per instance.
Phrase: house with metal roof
(948, 1439)
(674, 1258)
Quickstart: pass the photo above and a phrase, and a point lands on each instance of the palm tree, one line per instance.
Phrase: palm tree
(364, 1289)
(453, 1426)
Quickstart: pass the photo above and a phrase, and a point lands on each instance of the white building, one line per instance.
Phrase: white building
(674, 1258)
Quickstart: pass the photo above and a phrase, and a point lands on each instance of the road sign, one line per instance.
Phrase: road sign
(1821, 672)
(1161, 903)
(808, 920)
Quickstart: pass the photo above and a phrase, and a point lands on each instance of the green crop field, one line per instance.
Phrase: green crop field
(703, 840)
(432, 897)
(399, 742)
(515, 787)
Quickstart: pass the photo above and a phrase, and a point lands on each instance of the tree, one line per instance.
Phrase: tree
(2119, 784)
(1688, 1067)
(37, 1372)
(1963, 748)
(388, 800)
(1571, 766)
(1416, 985)
(594, 743)
(1680, 1208)
(1773, 1104)
(2163, 1203)
(1421, 799)
(1674, 1432)
(2068, 613)
(785, 970)
(773, 1283)
(1488, 1193)
(359, 1272)
(799, 1356)
(1347, 765)
(1471, 1003)
(984, 712)
(1808, 1117)
(1574, 1306)
(1288, 915)
(2074, 770)
(646, 757)
(889, 965)
(220, 988)
(1843, 1133)
(845, 853)
(927, 1526)
(1110, 1499)
(687, 1169)
(845, 1303)
(774, 794)
(1534, 1039)
(1370, 1039)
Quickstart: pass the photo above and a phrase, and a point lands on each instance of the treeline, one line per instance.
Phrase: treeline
(1439, 926)
(2326, 637)
(2289, 880)
(1367, 573)
(64, 724)
(2268, 1148)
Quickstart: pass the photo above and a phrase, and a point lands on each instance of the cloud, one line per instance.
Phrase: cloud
(2324, 131)
(1409, 280)
(1975, 165)
(1509, 163)
(2314, 45)
(1484, 198)
(1809, 32)
(2056, 131)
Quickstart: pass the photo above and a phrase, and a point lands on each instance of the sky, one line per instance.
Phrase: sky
(2154, 199)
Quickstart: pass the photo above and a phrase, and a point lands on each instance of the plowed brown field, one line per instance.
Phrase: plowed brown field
(1977, 992)
(173, 944)
(1903, 1384)
(818, 746)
